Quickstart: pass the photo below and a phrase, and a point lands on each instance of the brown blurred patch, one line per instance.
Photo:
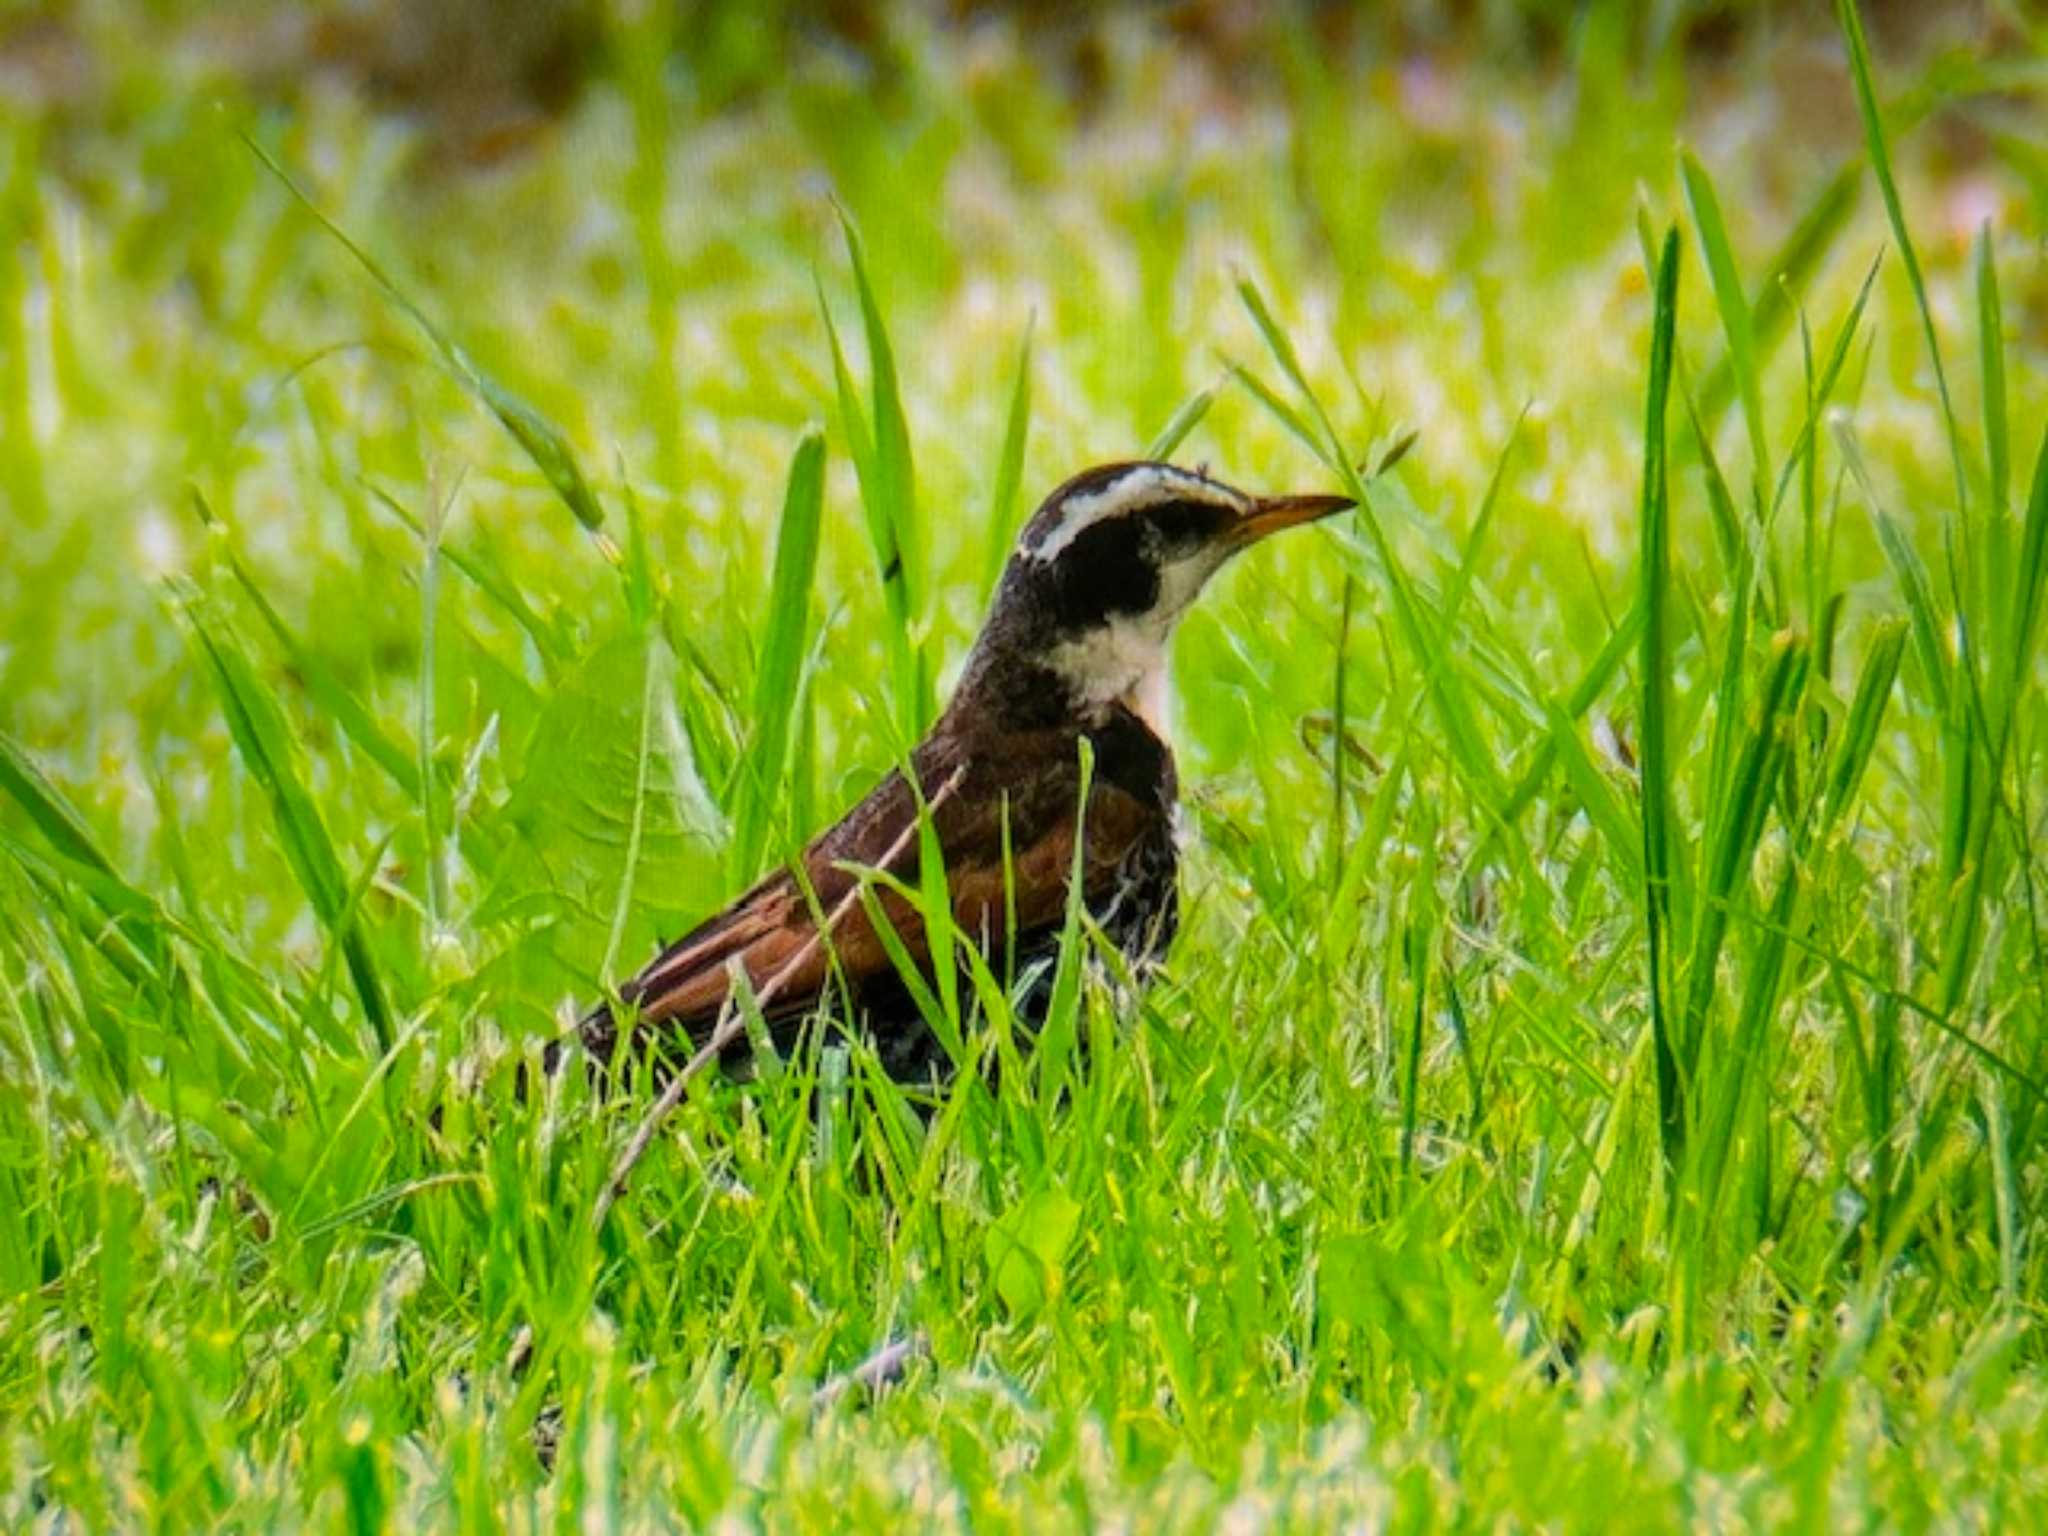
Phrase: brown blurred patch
(45, 66)
(483, 76)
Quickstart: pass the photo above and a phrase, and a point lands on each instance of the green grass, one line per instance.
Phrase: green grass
(1601, 1079)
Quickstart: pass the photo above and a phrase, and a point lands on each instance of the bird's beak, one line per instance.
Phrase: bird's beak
(1270, 514)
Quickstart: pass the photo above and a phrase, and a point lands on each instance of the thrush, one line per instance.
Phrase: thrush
(1073, 650)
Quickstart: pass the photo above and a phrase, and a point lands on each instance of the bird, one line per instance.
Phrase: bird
(1073, 649)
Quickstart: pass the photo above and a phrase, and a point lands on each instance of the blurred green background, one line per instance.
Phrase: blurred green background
(352, 742)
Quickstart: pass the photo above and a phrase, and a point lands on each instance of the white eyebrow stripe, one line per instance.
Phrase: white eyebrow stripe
(1134, 486)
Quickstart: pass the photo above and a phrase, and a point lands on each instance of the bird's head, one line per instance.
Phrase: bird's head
(1105, 568)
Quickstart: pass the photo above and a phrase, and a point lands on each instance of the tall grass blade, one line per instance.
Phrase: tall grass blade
(1655, 666)
(1790, 267)
(1823, 391)
(1922, 609)
(1614, 651)
(542, 440)
(2030, 575)
(883, 533)
(1736, 321)
(1282, 412)
(1729, 534)
(430, 618)
(1858, 739)
(270, 754)
(653, 680)
(2030, 583)
(1180, 424)
(485, 574)
(311, 668)
(1881, 165)
(1997, 445)
(782, 650)
(1475, 757)
(893, 473)
(1282, 347)
(1002, 501)
(49, 808)
(893, 483)
(1482, 520)
(1725, 863)
(1991, 363)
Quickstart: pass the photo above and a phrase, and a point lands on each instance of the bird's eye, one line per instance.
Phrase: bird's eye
(1184, 524)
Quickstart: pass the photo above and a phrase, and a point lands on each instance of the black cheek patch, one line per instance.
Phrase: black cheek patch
(1104, 572)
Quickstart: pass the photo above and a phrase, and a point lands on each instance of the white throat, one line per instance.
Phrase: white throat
(1147, 700)
(1120, 662)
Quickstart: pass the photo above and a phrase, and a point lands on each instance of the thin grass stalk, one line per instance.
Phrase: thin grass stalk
(1654, 682)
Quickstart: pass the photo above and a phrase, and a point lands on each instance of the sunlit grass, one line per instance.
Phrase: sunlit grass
(1601, 1077)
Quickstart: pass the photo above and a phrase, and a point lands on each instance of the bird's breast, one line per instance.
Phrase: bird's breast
(1133, 756)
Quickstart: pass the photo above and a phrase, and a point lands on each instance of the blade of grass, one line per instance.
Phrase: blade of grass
(1284, 413)
(1731, 848)
(1181, 423)
(430, 613)
(138, 921)
(1831, 373)
(1475, 758)
(1736, 320)
(1745, 553)
(542, 440)
(1926, 617)
(334, 698)
(654, 679)
(1002, 501)
(1795, 261)
(1881, 165)
(1997, 448)
(782, 649)
(1859, 732)
(1654, 683)
(2030, 582)
(1282, 347)
(1991, 362)
(1482, 520)
(1742, 1071)
(893, 484)
(321, 684)
(1621, 640)
(2030, 577)
(883, 534)
(1967, 734)
(1424, 918)
(50, 808)
(267, 749)
(486, 575)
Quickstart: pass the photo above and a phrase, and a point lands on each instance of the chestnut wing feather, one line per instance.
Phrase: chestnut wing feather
(771, 930)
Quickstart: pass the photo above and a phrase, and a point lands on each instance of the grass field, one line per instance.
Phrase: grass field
(1601, 1079)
